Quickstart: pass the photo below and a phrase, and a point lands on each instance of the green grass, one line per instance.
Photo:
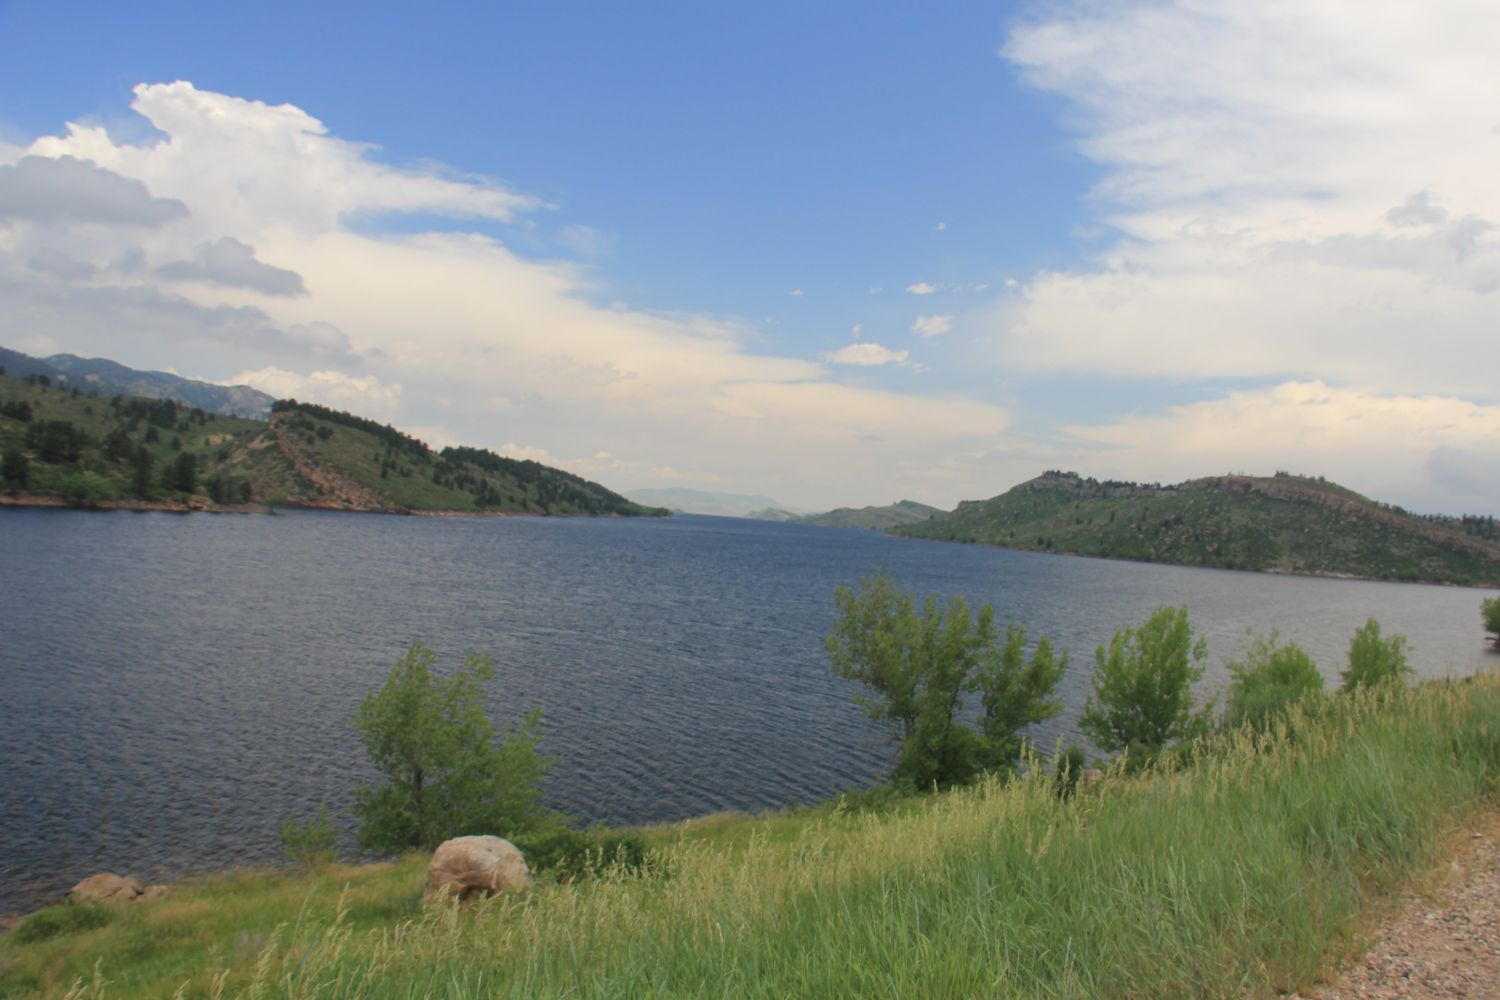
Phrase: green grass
(1248, 872)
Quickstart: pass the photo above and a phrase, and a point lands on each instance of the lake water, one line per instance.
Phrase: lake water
(175, 685)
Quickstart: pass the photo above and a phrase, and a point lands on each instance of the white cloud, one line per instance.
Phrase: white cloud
(796, 293)
(526, 452)
(857, 331)
(941, 226)
(229, 262)
(866, 353)
(281, 165)
(1299, 189)
(365, 395)
(71, 190)
(451, 332)
(932, 326)
(921, 288)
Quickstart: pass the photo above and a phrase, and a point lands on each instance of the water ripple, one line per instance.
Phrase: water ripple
(175, 686)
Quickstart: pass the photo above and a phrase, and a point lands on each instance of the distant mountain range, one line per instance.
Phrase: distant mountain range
(703, 501)
(873, 518)
(108, 378)
(1281, 523)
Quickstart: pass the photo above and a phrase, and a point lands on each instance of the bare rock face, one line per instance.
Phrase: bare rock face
(466, 867)
(106, 887)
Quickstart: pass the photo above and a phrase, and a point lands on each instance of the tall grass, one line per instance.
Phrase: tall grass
(1243, 873)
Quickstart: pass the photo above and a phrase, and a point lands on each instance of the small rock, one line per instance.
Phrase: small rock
(106, 887)
(466, 867)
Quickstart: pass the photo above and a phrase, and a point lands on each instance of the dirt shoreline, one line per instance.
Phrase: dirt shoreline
(1441, 936)
(208, 507)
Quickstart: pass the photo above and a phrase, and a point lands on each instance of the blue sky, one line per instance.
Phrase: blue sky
(837, 253)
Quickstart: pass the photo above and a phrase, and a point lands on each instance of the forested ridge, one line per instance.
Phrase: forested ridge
(60, 444)
(1281, 523)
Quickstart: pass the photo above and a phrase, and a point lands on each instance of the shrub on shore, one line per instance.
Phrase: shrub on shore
(1188, 883)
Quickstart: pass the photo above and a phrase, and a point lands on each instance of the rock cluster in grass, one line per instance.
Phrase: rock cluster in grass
(107, 887)
(469, 867)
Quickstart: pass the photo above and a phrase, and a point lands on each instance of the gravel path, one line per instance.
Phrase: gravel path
(1442, 943)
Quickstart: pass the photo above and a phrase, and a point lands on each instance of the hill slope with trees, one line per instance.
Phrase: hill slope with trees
(875, 518)
(63, 445)
(1281, 523)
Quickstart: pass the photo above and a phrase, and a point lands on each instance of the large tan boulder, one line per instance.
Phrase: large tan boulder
(106, 887)
(466, 867)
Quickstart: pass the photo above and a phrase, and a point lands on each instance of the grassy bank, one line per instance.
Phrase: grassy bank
(1247, 872)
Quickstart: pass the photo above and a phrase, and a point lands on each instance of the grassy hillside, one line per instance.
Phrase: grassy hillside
(67, 445)
(1281, 523)
(1249, 873)
(875, 518)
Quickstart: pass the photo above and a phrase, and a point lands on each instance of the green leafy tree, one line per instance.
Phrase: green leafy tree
(182, 474)
(15, 469)
(141, 467)
(1490, 610)
(446, 774)
(1270, 679)
(1017, 692)
(920, 665)
(87, 487)
(55, 441)
(1373, 659)
(1143, 685)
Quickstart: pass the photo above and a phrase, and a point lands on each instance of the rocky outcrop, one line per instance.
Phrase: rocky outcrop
(107, 887)
(336, 491)
(469, 867)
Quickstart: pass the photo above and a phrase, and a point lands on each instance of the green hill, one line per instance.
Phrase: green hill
(1282, 523)
(64, 445)
(875, 518)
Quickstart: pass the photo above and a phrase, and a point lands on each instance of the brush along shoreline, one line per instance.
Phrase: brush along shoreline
(1248, 866)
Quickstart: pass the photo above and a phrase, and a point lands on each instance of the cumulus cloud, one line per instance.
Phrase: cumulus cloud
(153, 328)
(866, 353)
(921, 288)
(1296, 191)
(229, 262)
(932, 326)
(58, 264)
(363, 394)
(67, 189)
(449, 331)
(282, 166)
(526, 452)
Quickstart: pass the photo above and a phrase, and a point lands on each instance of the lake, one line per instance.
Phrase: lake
(176, 685)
